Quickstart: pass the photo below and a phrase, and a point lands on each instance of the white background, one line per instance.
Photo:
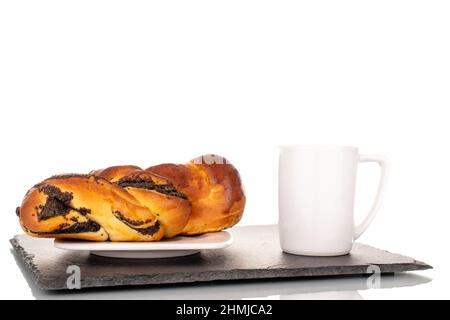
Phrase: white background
(89, 84)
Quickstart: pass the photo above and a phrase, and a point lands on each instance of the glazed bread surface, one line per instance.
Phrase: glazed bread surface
(127, 203)
(214, 187)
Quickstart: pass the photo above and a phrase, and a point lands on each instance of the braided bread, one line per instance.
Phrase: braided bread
(126, 203)
(214, 187)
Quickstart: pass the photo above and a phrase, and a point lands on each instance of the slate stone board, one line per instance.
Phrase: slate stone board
(255, 254)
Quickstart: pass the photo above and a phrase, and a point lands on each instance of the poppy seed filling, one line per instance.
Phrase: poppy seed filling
(135, 224)
(150, 230)
(80, 227)
(129, 221)
(57, 203)
(149, 184)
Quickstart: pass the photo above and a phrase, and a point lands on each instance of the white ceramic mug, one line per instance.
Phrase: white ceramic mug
(316, 199)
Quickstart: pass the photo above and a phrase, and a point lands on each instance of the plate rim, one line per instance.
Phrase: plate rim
(141, 245)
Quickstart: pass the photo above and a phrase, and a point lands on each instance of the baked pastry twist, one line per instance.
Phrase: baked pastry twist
(126, 203)
(213, 186)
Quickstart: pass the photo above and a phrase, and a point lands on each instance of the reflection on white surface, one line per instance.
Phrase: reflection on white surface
(327, 295)
(342, 288)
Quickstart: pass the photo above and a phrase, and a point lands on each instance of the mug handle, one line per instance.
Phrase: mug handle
(384, 165)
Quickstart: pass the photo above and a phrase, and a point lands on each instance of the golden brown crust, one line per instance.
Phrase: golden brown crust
(62, 203)
(116, 172)
(126, 203)
(214, 187)
(172, 211)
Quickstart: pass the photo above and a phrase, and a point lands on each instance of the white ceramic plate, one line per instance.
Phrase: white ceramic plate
(177, 247)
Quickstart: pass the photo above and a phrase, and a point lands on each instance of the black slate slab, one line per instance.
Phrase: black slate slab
(255, 254)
